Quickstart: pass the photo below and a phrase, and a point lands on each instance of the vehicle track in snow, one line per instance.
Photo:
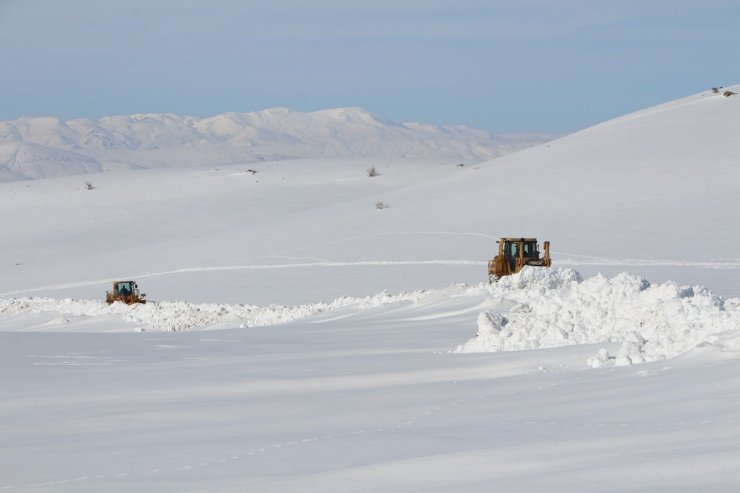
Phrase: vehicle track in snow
(573, 259)
(562, 259)
(559, 258)
(224, 268)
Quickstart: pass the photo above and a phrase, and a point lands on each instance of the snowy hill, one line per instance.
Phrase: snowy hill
(653, 193)
(45, 147)
(317, 329)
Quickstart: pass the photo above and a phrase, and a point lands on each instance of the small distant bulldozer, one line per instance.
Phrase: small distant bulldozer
(125, 292)
(514, 254)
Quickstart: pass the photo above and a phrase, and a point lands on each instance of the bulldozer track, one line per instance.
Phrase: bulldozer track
(561, 259)
(568, 259)
(327, 264)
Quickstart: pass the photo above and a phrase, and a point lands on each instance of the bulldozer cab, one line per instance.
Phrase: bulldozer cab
(514, 254)
(124, 288)
(511, 253)
(513, 249)
(125, 292)
(529, 248)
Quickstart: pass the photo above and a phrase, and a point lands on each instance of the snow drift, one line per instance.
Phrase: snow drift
(537, 308)
(555, 307)
(180, 315)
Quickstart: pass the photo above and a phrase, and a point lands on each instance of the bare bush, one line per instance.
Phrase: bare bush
(381, 205)
(89, 185)
(372, 172)
(727, 94)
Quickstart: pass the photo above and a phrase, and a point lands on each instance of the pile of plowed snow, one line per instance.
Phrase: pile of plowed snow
(179, 315)
(537, 308)
(555, 307)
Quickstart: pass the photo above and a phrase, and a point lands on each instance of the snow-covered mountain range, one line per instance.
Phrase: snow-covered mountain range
(44, 146)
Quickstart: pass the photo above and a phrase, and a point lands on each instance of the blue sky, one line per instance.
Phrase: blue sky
(504, 66)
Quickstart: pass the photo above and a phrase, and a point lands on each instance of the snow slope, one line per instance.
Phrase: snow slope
(304, 339)
(46, 147)
(654, 194)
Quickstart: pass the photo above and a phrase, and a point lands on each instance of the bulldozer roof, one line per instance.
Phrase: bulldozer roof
(518, 239)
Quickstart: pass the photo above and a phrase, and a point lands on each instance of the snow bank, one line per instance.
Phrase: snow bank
(555, 307)
(179, 315)
(538, 308)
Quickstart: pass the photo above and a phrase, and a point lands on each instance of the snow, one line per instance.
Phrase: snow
(46, 147)
(554, 307)
(176, 316)
(537, 308)
(299, 338)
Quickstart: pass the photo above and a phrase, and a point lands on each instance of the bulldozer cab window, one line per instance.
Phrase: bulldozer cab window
(511, 252)
(530, 249)
(124, 288)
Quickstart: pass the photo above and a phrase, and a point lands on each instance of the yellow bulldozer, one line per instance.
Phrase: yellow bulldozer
(125, 292)
(514, 254)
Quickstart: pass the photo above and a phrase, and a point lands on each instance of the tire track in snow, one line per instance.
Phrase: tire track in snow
(568, 259)
(188, 270)
(573, 259)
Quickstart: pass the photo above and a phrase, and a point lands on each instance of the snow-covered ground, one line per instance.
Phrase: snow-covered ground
(301, 338)
(361, 395)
